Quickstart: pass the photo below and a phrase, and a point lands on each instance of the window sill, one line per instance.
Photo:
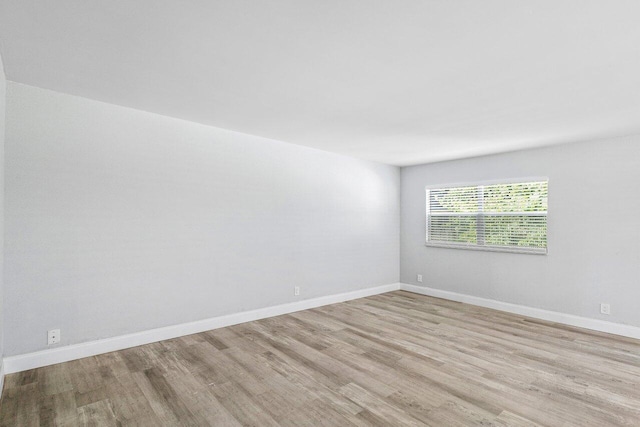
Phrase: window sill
(512, 250)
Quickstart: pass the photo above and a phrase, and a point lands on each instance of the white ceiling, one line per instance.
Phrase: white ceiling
(398, 81)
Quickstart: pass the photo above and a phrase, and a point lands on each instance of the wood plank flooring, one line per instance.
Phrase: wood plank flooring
(388, 360)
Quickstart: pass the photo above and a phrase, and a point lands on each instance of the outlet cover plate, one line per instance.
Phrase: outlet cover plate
(53, 336)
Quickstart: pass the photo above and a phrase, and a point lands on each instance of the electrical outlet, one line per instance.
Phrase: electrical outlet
(420, 278)
(605, 309)
(53, 336)
(296, 290)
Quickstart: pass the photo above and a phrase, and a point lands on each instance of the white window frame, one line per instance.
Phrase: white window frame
(478, 246)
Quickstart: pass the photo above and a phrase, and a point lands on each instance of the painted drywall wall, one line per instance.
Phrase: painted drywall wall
(3, 86)
(119, 221)
(593, 231)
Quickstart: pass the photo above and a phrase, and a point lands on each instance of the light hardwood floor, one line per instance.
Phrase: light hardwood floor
(388, 360)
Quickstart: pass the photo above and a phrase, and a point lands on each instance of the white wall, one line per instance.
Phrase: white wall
(593, 231)
(3, 85)
(120, 221)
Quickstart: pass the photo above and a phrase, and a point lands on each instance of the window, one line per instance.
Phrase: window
(509, 217)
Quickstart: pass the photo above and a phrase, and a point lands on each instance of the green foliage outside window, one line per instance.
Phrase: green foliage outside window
(492, 215)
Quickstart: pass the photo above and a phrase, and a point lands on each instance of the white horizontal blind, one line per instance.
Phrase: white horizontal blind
(508, 217)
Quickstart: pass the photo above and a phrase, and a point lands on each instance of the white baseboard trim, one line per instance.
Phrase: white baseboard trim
(42, 358)
(1, 377)
(538, 313)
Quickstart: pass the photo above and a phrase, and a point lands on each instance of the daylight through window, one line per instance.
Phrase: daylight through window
(510, 217)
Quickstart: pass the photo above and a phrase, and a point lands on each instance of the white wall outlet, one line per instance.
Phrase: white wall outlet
(296, 290)
(605, 309)
(53, 336)
(420, 278)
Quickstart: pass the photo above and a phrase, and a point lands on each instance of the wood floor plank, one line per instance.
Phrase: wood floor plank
(391, 359)
(98, 414)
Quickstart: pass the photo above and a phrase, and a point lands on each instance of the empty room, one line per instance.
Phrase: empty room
(320, 213)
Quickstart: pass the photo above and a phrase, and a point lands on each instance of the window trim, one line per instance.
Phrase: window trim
(485, 248)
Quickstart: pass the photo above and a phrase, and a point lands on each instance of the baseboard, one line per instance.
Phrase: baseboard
(39, 359)
(1, 377)
(552, 316)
